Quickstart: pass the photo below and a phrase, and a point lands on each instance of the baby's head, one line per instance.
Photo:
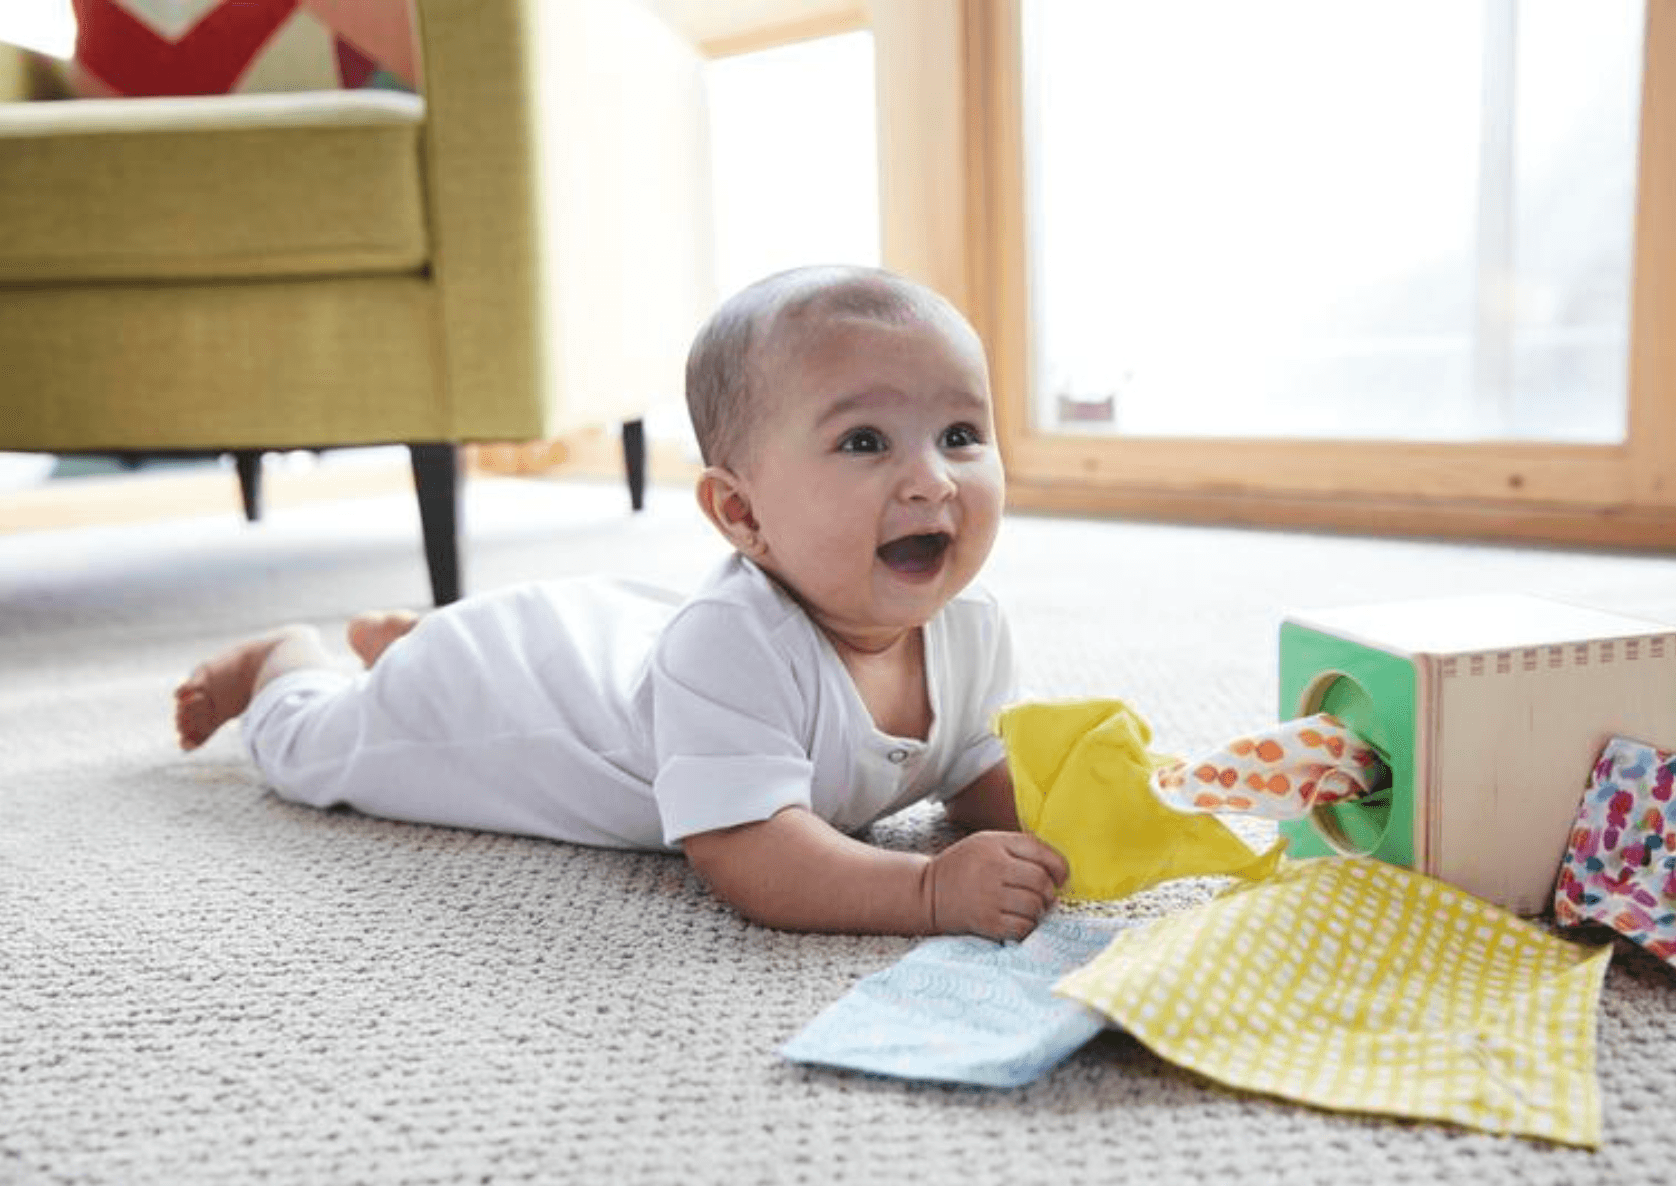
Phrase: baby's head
(732, 367)
(844, 417)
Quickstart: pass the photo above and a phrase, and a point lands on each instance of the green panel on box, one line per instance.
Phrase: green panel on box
(1372, 692)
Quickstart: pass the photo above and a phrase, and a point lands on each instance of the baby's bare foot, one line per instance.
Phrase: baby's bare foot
(219, 689)
(371, 633)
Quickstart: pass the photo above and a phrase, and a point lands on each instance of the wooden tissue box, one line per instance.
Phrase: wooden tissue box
(1491, 711)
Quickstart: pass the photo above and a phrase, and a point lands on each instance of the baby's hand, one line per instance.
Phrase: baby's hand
(994, 884)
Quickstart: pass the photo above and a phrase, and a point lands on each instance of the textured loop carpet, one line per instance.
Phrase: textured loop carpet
(200, 983)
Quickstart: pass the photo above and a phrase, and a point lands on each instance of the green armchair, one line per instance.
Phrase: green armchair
(522, 251)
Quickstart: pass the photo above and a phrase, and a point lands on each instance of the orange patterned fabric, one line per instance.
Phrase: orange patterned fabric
(1281, 774)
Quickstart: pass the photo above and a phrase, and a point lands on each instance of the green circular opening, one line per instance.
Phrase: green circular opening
(1354, 828)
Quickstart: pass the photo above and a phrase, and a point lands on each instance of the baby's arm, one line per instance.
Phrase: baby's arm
(986, 803)
(794, 871)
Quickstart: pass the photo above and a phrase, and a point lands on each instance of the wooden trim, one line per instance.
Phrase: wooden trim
(925, 125)
(853, 19)
(1613, 495)
(156, 495)
(1652, 354)
(1630, 527)
(586, 453)
(153, 495)
(1517, 474)
(1000, 242)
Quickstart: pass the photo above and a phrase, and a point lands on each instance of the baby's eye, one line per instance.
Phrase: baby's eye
(961, 436)
(862, 440)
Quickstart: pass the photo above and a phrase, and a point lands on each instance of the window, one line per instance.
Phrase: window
(1306, 218)
(794, 168)
(1236, 350)
(48, 26)
(795, 157)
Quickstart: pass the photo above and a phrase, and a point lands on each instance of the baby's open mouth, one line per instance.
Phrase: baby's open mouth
(915, 554)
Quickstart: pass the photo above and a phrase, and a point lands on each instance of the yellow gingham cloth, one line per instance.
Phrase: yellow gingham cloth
(1359, 986)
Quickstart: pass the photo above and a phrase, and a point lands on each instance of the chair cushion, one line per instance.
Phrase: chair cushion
(200, 47)
(229, 186)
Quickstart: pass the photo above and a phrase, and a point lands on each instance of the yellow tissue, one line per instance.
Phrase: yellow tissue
(1080, 783)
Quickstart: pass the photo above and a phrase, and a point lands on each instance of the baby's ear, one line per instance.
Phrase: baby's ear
(726, 504)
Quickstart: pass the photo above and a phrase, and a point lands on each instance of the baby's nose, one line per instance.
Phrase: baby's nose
(929, 476)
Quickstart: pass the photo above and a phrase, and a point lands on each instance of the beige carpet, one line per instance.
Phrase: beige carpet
(200, 983)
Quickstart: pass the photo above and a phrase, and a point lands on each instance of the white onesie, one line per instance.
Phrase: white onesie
(616, 714)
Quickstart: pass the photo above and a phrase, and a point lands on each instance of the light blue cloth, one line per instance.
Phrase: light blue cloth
(964, 1010)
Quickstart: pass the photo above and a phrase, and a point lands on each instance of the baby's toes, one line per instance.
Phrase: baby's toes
(194, 716)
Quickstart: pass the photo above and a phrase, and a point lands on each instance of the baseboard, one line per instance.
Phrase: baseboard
(1630, 528)
(154, 495)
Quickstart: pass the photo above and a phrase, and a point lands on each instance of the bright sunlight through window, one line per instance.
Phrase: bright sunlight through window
(45, 25)
(795, 158)
(1307, 218)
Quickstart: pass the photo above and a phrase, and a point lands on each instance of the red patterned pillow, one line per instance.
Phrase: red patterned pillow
(207, 47)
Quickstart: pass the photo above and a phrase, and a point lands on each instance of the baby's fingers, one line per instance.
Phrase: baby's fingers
(1028, 887)
(1016, 927)
(995, 884)
(1027, 893)
(1027, 848)
(1021, 910)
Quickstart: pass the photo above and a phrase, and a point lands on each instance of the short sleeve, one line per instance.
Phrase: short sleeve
(729, 722)
(982, 676)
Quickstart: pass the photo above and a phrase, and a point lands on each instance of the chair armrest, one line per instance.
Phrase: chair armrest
(28, 74)
(567, 152)
(14, 73)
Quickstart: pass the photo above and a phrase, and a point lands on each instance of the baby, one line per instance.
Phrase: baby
(836, 668)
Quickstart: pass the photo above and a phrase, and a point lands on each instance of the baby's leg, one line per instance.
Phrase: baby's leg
(220, 688)
(371, 633)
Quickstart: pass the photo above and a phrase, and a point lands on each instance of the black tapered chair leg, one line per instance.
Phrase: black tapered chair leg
(436, 480)
(634, 461)
(249, 464)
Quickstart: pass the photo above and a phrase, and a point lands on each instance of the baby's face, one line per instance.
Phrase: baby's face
(873, 471)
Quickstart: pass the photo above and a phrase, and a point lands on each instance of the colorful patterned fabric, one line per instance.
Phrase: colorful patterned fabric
(206, 47)
(1620, 866)
(1280, 774)
(964, 1010)
(1082, 783)
(1355, 985)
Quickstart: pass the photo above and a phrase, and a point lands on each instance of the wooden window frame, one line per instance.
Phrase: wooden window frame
(725, 28)
(953, 215)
